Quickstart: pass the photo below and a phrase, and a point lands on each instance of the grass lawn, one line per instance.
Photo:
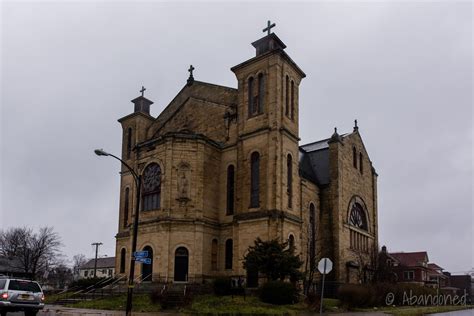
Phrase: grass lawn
(209, 304)
(141, 303)
(415, 310)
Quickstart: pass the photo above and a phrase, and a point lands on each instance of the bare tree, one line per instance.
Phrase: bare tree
(33, 252)
(78, 261)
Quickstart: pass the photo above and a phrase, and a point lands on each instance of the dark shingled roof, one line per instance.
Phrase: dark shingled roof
(10, 265)
(101, 263)
(314, 162)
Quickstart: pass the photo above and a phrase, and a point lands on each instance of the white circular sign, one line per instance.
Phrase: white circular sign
(325, 265)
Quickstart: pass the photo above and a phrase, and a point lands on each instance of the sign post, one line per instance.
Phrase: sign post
(324, 266)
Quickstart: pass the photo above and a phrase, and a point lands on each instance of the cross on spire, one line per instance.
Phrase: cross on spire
(191, 78)
(191, 68)
(269, 27)
(143, 90)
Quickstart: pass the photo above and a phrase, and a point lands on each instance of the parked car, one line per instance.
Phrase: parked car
(20, 295)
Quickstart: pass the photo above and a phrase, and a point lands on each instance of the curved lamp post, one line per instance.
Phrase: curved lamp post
(138, 183)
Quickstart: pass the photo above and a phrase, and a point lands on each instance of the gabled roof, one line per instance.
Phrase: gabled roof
(108, 262)
(10, 265)
(434, 266)
(314, 162)
(411, 259)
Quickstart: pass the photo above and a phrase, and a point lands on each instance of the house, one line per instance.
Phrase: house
(105, 268)
(436, 277)
(411, 267)
(12, 267)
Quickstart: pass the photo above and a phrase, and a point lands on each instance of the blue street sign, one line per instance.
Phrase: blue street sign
(143, 260)
(140, 254)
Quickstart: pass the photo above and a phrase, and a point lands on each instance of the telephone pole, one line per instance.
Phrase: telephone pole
(96, 244)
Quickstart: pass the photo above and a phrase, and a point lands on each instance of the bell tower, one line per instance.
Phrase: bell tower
(267, 126)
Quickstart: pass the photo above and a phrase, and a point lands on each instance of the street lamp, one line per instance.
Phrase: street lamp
(138, 183)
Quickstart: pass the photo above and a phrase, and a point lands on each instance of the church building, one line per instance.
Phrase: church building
(221, 166)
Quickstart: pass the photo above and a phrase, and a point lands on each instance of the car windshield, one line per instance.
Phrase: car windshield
(2, 284)
(19, 285)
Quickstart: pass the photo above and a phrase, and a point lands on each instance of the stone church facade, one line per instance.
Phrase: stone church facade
(222, 166)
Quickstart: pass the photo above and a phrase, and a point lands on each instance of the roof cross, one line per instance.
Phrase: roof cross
(191, 68)
(269, 27)
(191, 78)
(143, 90)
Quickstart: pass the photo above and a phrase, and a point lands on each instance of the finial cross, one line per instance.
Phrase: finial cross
(269, 27)
(191, 68)
(143, 90)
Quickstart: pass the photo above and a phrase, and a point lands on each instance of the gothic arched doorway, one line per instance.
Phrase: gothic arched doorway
(181, 264)
(147, 269)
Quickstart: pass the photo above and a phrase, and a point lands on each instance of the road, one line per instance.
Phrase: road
(66, 311)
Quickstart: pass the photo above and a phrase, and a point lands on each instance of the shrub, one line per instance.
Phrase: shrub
(353, 295)
(157, 296)
(222, 286)
(278, 293)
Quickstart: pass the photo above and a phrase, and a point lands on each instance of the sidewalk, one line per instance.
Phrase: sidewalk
(55, 310)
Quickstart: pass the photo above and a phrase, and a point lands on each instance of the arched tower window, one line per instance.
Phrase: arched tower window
(292, 100)
(312, 232)
(254, 179)
(151, 187)
(250, 97)
(123, 253)
(360, 163)
(354, 157)
(261, 92)
(214, 255)
(229, 253)
(129, 142)
(289, 179)
(126, 207)
(230, 189)
(287, 96)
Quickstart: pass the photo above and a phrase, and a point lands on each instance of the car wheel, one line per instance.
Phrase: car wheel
(31, 313)
(3, 313)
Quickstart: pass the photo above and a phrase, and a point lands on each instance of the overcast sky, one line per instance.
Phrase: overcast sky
(404, 70)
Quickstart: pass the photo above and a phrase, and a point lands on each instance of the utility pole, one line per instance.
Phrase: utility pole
(96, 244)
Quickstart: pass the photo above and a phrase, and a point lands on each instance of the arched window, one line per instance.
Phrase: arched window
(230, 190)
(254, 179)
(261, 93)
(312, 232)
(287, 96)
(291, 242)
(151, 187)
(229, 253)
(129, 142)
(289, 179)
(123, 253)
(360, 163)
(250, 97)
(357, 217)
(292, 100)
(214, 255)
(354, 157)
(126, 207)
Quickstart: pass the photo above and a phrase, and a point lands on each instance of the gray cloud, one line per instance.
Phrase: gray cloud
(403, 69)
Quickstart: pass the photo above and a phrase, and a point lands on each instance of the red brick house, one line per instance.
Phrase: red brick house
(436, 276)
(411, 267)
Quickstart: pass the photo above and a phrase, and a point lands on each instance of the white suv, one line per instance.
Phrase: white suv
(20, 295)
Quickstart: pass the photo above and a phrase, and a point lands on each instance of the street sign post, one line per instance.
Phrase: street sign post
(143, 260)
(141, 254)
(324, 266)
